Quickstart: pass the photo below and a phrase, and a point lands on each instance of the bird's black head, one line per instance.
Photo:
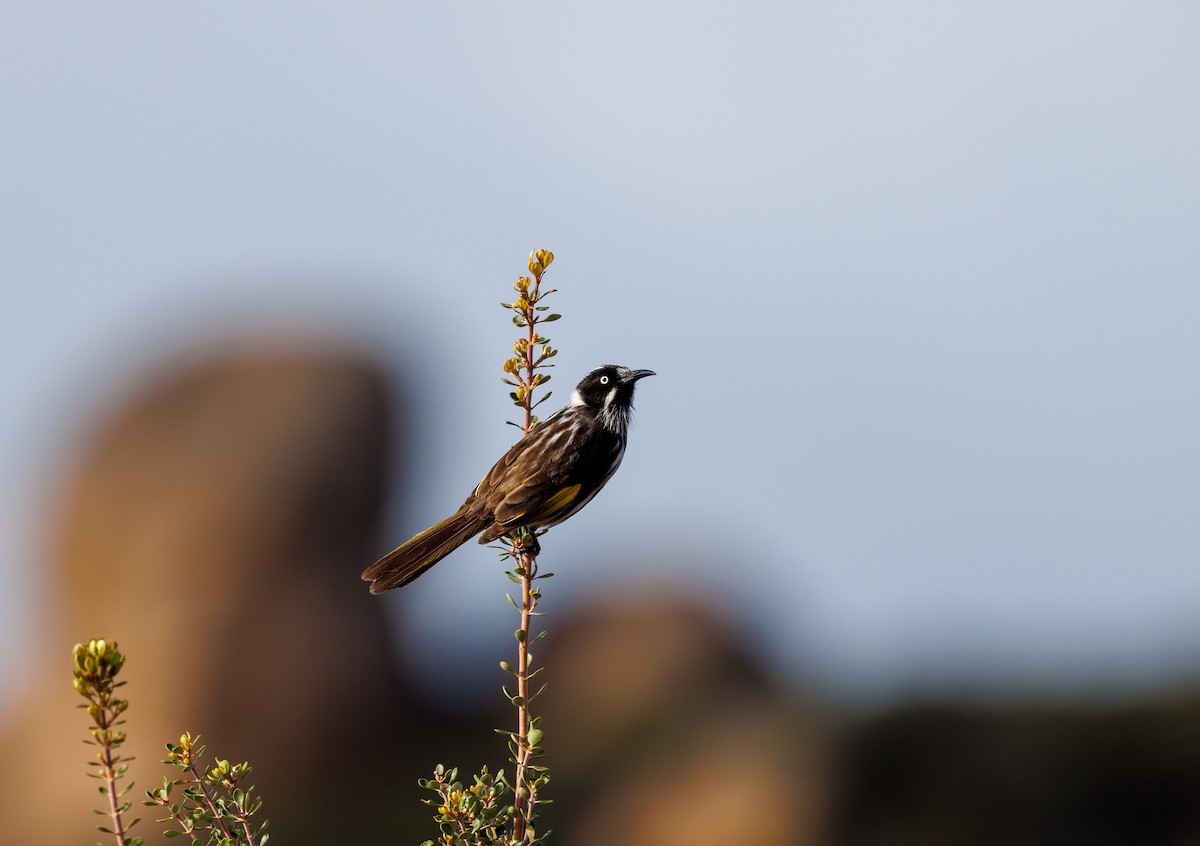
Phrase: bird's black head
(608, 387)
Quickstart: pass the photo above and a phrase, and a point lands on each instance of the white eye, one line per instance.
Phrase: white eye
(603, 380)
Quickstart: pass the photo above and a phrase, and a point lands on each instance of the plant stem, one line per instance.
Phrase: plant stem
(184, 822)
(218, 817)
(522, 807)
(109, 765)
(531, 321)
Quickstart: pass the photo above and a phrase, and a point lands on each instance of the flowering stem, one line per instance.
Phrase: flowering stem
(524, 368)
(532, 336)
(96, 666)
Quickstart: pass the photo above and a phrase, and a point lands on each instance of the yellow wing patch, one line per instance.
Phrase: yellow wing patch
(561, 499)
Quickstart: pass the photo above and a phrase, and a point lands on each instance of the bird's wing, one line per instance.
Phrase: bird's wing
(528, 488)
(535, 478)
(532, 505)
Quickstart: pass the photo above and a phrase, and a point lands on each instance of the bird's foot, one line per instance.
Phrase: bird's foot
(528, 544)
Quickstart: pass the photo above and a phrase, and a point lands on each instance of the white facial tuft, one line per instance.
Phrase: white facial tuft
(577, 398)
(613, 416)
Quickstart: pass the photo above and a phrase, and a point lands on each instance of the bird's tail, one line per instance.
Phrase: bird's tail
(419, 553)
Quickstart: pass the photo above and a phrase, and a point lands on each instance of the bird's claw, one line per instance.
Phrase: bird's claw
(529, 545)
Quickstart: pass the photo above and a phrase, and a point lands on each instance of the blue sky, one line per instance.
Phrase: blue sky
(920, 282)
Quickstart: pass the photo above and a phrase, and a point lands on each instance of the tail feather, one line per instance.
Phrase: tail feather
(419, 553)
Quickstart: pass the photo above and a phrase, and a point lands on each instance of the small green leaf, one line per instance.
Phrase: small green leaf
(550, 317)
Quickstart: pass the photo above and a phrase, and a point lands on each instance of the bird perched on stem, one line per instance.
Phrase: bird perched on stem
(542, 480)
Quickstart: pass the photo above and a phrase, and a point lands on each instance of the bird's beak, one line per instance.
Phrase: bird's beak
(638, 374)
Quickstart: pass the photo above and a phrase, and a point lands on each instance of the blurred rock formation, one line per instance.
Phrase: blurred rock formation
(215, 529)
(665, 731)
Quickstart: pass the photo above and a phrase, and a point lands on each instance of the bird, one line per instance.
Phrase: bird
(544, 478)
